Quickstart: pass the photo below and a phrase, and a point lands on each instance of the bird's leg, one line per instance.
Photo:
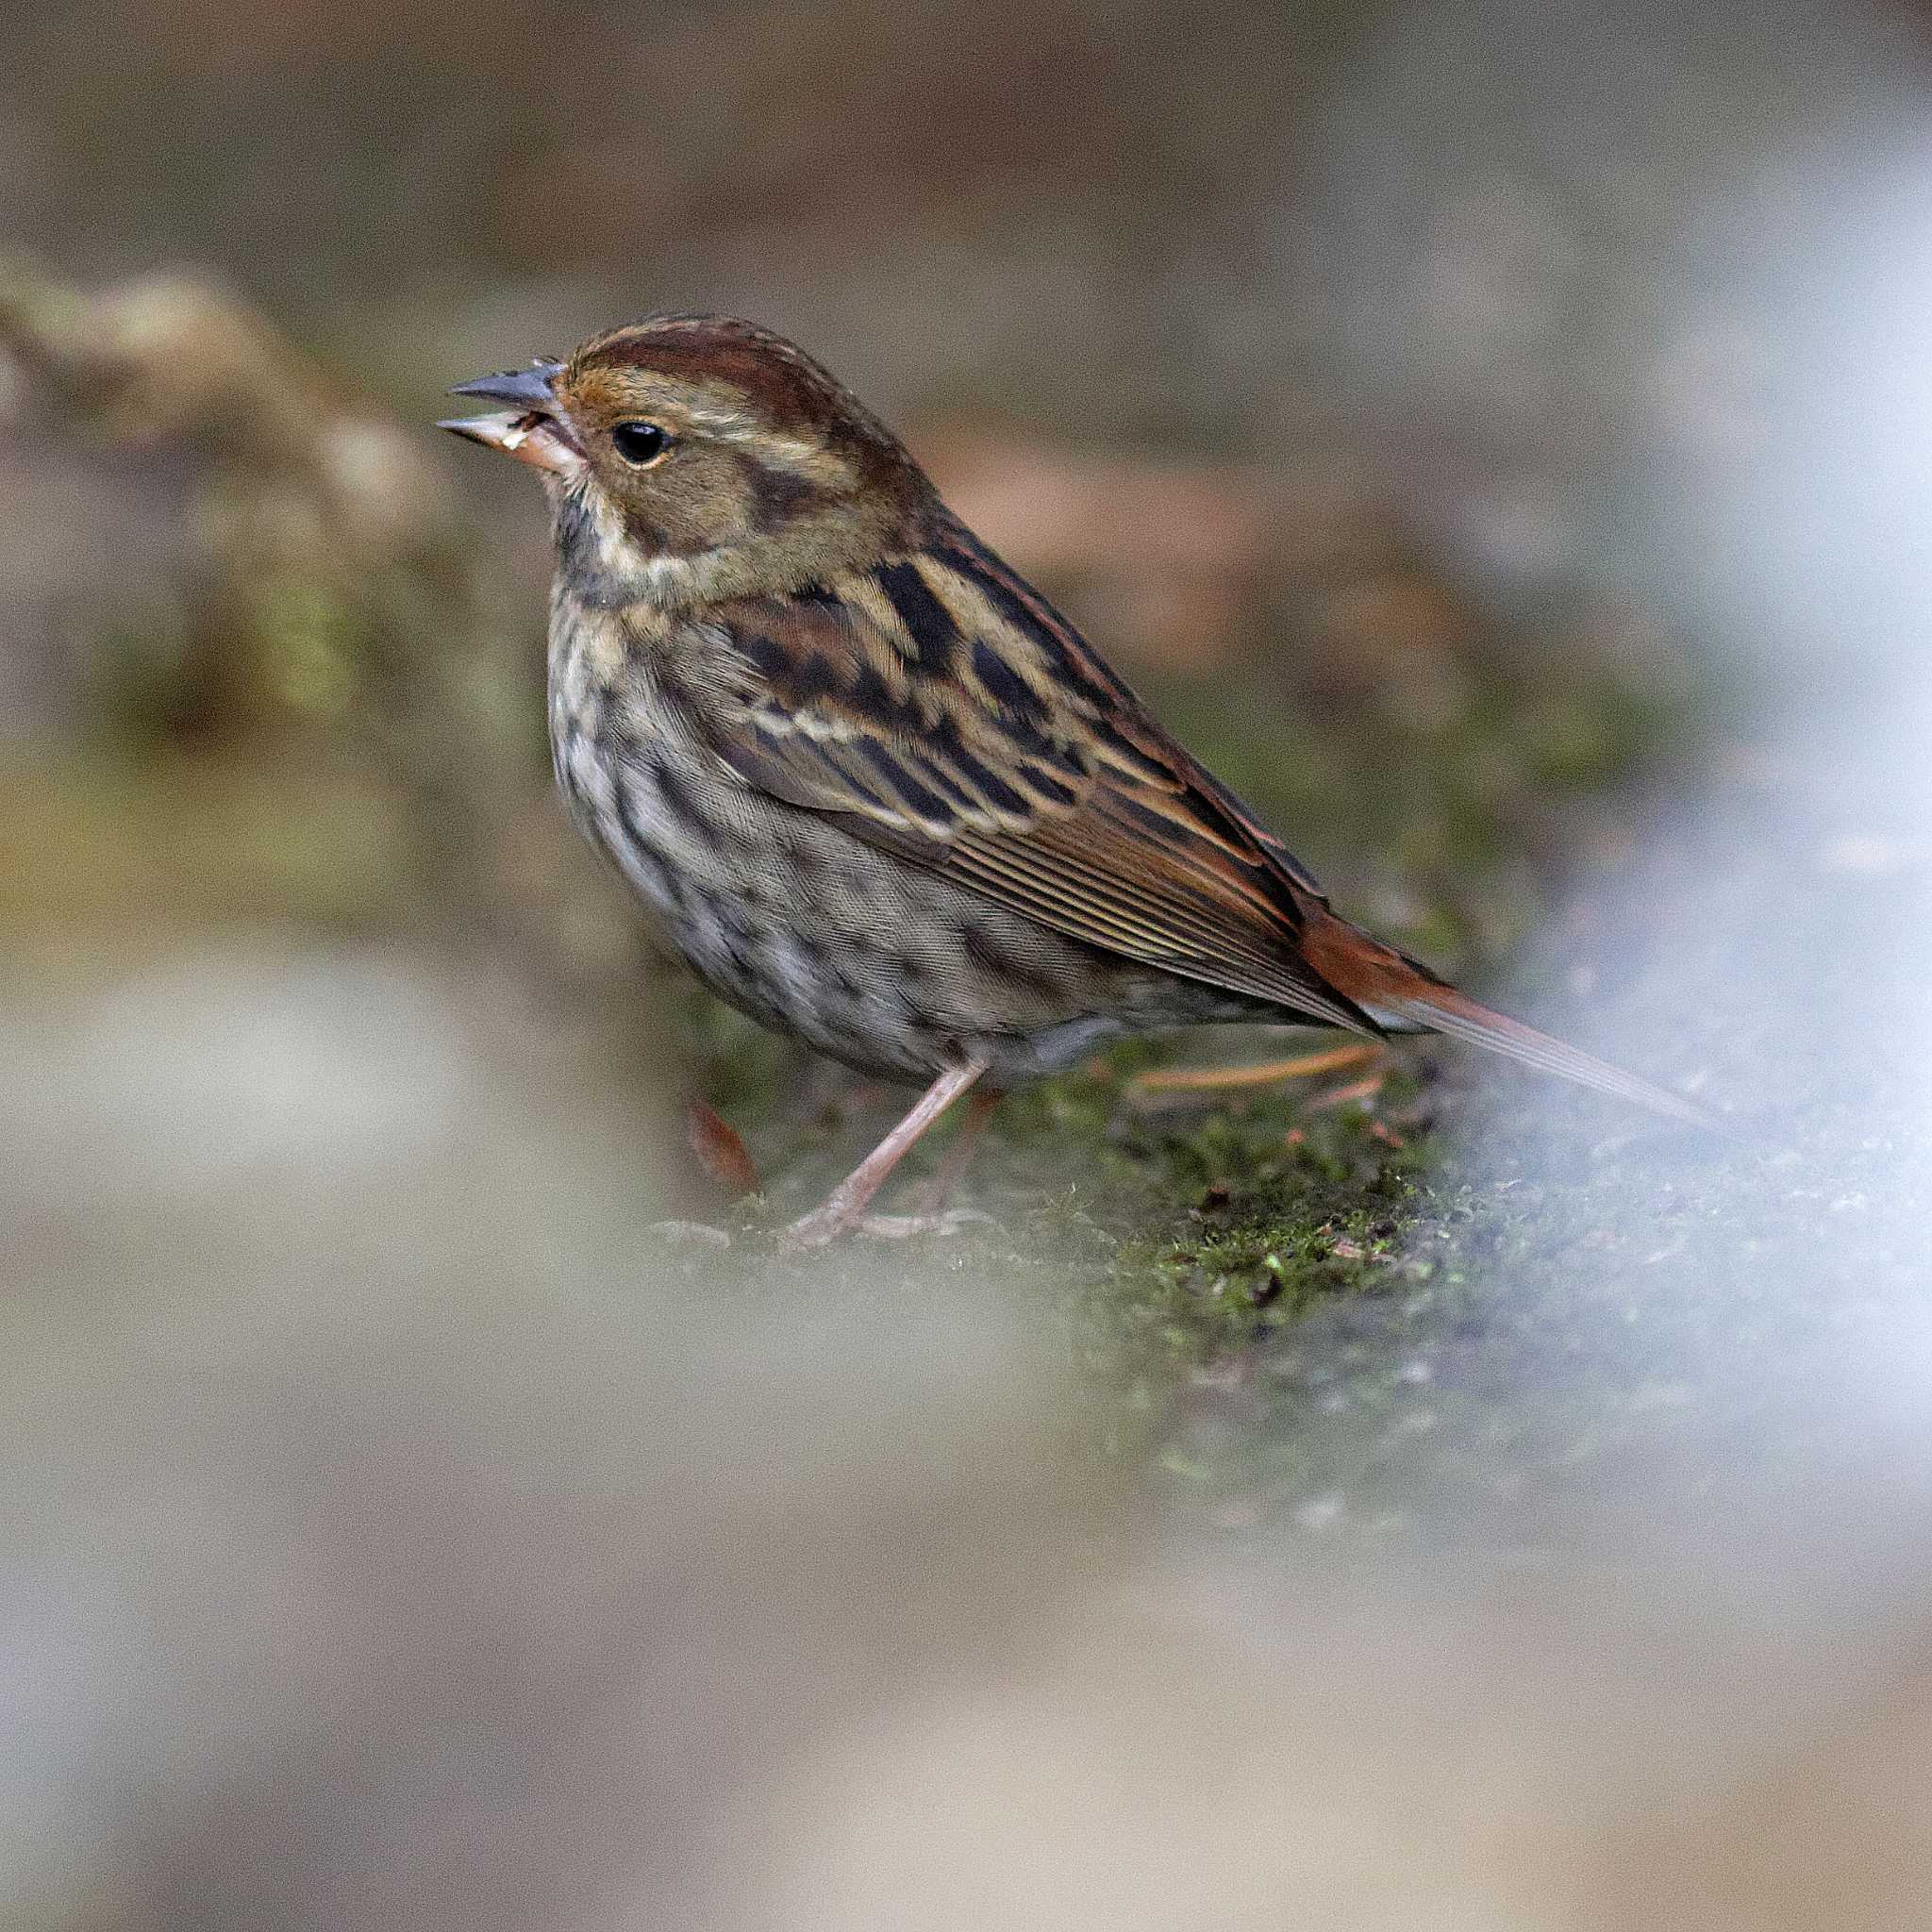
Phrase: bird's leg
(938, 1190)
(845, 1205)
(930, 1216)
(1222, 1080)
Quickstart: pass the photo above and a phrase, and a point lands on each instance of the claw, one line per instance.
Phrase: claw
(899, 1227)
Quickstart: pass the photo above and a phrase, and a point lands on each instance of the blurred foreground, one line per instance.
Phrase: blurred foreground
(1493, 436)
(412, 1534)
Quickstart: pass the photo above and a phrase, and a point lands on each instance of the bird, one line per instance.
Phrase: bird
(870, 785)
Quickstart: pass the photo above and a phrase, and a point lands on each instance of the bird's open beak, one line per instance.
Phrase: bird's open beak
(533, 429)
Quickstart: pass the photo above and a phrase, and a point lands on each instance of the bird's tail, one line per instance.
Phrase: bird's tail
(1397, 993)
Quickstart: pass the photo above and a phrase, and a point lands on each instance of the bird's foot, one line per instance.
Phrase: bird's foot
(822, 1225)
(844, 1210)
(946, 1220)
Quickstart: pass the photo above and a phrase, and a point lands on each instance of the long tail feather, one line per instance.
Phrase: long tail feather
(1443, 1009)
(1401, 993)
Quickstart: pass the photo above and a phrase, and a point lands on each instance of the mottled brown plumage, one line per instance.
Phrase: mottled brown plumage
(879, 793)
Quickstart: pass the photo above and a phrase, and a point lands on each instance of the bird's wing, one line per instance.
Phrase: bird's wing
(940, 707)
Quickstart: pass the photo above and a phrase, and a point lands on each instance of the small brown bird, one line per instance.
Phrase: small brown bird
(879, 793)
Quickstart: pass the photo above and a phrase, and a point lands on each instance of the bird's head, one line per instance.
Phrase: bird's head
(694, 456)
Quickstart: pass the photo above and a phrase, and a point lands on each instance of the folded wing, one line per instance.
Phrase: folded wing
(937, 705)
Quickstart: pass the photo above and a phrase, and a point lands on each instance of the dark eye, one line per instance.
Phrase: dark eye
(640, 443)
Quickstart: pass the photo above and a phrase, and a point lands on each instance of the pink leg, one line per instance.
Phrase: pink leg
(847, 1202)
(953, 1163)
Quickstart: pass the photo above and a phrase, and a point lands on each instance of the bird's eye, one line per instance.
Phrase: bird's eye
(640, 443)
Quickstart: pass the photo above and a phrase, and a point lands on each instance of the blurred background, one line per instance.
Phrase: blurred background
(1492, 433)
